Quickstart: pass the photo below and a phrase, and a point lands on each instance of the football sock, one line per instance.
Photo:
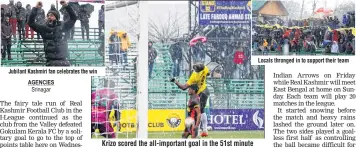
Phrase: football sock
(204, 121)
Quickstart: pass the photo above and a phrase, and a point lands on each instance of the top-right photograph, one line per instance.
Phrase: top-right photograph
(303, 27)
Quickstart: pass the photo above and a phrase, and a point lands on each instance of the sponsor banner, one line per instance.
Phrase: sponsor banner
(158, 120)
(220, 12)
(236, 119)
(89, 1)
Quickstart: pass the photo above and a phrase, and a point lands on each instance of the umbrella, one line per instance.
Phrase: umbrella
(88, 8)
(196, 39)
(324, 10)
(75, 6)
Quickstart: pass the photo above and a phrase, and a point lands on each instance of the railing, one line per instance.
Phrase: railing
(29, 52)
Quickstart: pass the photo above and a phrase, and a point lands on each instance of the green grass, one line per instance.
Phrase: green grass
(212, 135)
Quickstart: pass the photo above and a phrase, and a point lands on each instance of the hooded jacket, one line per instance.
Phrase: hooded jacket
(125, 41)
(20, 12)
(5, 31)
(11, 11)
(55, 45)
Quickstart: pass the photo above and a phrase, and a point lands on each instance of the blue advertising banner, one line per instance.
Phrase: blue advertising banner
(224, 12)
(236, 119)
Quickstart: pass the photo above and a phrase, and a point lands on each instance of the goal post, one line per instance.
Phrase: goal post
(142, 73)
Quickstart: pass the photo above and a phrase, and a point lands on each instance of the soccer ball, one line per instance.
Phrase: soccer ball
(189, 122)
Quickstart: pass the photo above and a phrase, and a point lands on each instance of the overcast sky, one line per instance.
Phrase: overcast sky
(93, 22)
(123, 19)
(158, 13)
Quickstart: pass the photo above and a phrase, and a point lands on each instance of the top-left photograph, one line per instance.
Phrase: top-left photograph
(52, 33)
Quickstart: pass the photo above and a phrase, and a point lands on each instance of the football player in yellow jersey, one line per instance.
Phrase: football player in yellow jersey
(198, 77)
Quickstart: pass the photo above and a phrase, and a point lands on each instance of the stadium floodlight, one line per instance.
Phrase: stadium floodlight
(142, 73)
(118, 4)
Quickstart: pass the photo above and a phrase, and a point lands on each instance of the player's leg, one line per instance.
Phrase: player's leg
(93, 128)
(195, 131)
(3, 51)
(118, 115)
(105, 130)
(185, 134)
(204, 119)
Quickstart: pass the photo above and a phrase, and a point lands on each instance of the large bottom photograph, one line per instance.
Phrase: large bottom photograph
(234, 106)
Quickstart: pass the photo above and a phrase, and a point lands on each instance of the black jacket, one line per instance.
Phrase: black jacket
(176, 52)
(55, 45)
(10, 11)
(5, 31)
(40, 16)
(152, 55)
(21, 13)
(28, 13)
(83, 16)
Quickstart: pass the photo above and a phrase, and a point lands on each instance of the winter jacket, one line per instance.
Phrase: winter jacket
(125, 41)
(28, 13)
(176, 52)
(55, 45)
(11, 11)
(83, 16)
(40, 16)
(65, 16)
(344, 19)
(115, 43)
(5, 31)
(20, 12)
(101, 15)
(152, 55)
(335, 36)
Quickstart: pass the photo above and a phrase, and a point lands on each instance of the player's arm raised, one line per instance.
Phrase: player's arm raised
(181, 86)
(186, 85)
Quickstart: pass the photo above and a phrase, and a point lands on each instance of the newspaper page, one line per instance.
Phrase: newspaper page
(177, 74)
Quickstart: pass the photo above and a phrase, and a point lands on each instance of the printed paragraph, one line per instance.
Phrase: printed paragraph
(311, 110)
(41, 124)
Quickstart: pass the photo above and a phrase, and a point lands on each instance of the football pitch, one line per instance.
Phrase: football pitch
(212, 135)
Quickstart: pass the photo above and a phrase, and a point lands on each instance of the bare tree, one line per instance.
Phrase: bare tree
(166, 29)
(129, 24)
(314, 6)
(293, 8)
